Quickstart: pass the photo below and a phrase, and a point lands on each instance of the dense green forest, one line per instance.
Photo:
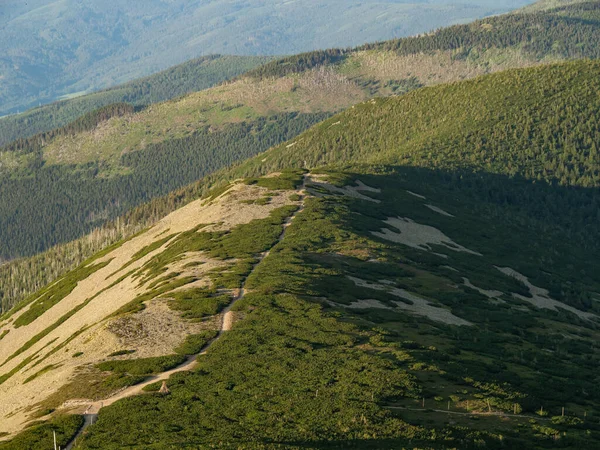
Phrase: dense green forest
(540, 123)
(194, 75)
(571, 32)
(297, 63)
(69, 201)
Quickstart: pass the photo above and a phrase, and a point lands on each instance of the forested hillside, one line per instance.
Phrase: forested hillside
(416, 271)
(69, 201)
(540, 123)
(108, 166)
(191, 76)
(492, 106)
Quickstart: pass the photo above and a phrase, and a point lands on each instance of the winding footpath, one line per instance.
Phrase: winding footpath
(91, 413)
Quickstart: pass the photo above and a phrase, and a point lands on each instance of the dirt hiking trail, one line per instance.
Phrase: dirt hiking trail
(93, 408)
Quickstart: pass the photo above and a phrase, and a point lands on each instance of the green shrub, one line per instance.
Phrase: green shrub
(121, 352)
(194, 343)
(198, 303)
(143, 366)
(41, 435)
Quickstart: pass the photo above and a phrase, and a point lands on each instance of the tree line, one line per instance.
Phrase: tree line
(191, 76)
(42, 206)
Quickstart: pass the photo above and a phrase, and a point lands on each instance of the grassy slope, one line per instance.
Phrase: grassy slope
(301, 371)
(191, 76)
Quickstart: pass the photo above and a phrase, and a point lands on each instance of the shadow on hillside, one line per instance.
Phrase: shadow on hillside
(550, 233)
(572, 208)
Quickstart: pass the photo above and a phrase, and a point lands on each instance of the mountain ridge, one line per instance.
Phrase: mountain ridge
(264, 107)
(437, 262)
(193, 75)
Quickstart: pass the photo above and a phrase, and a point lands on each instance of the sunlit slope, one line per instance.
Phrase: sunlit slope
(128, 160)
(190, 76)
(199, 255)
(333, 79)
(539, 123)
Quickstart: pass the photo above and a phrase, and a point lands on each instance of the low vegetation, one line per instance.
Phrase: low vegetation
(198, 303)
(53, 294)
(195, 343)
(42, 434)
(299, 349)
(141, 366)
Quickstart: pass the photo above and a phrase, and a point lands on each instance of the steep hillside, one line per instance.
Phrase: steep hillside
(436, 125)
(191, 76)
(86, 315)
(58, 48)
(128, 160)
(436, 289)
(540, 123)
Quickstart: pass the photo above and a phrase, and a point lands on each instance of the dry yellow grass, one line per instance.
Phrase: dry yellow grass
(154, 331)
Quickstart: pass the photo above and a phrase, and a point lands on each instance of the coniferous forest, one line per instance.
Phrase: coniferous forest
(71, 201)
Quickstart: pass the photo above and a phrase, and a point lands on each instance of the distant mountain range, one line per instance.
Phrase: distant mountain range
(50, 49)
